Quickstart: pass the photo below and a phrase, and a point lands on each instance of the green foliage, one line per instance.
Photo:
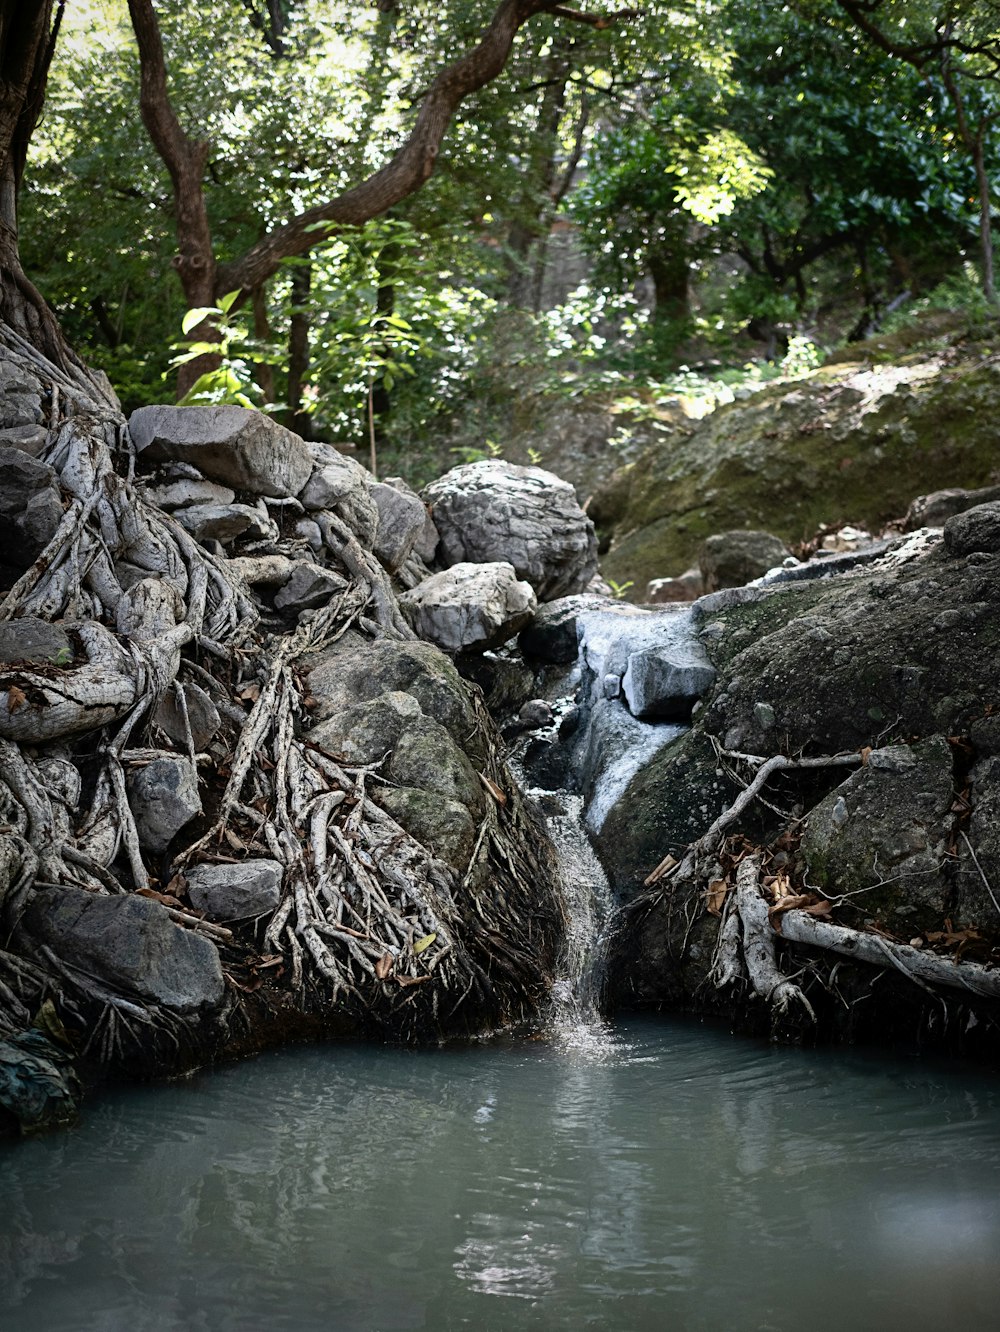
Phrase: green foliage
(228, 343)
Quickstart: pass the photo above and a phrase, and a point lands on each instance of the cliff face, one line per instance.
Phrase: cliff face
(852, 442)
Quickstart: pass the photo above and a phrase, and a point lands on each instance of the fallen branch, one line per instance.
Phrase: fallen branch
(709, 842)
(922, 967)
(759, 951)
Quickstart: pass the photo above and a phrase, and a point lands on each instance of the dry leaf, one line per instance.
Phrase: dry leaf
(493, 789)
(16, 699)
(166, 898)
(819, 909)
(664, 867)
(715, 896)
(412, 980)
(865, 753)
(383, 966)
(249, 693)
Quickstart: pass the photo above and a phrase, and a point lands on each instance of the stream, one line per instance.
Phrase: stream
(666, 1175)
(657, 1174)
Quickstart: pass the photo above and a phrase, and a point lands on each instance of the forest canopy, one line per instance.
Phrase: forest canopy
(395, 211)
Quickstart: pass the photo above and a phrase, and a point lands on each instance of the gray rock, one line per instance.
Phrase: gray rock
(307, 530)
(131, 943)
(667, 681)
(426, 544)
(977, 875)
(495, 511)
(470, 607)
(31, 639)
(554, 634)
(29, 439)
(203, 715)
(233, 445)
(732, 559)
(30, 507)
(235, 892)
(935, 509)
(38, 522)
(687, 586)
(402, 518)
(310, 586)
(340, 485)
(977, 529)
(885, 832)
(444, 826)
(163, 796)
(221, 522)
(179, 494)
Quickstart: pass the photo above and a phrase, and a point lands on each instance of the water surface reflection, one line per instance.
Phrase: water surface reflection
(672, 1177)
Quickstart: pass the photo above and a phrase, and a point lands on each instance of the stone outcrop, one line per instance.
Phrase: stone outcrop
(233, 445)
(132, 943)
(470, 607)
(732, 559)
(495, 511)
(850, 443)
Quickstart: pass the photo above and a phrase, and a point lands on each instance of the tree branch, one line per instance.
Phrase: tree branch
(414, 163)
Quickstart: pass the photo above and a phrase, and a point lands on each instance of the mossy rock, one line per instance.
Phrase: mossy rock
(850, 443)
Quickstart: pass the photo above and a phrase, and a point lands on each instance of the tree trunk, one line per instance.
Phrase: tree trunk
(298, 349)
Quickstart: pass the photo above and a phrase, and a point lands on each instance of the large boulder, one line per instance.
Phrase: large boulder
(495, 511)
(849, 443)
(341, 485)
(130, 943)
(238, 447)
(731, 559)
(405, 703)
(469, 607)
(882, 835)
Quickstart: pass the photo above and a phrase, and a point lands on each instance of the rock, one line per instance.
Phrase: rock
(30, 439)
(504, 678)
(38, 1084)
(444, 826)
(426, 544)
(31, 639)
(309, 586)
(885, 830)
(913, 648)
(235, 892)
(431, 734)
(536, 713)
(203, 715)
(469, 606)
(935, 509)
(164, 798)
(495, 511)
(732, 559)
(687, 586)
(667, 681)
(402, 519)
(355, 670)
(232, 445)
(30, 507)
(179, 494)
(221, 522)
(974, 530)
(341, 485)
(977, 876)
(131, 943)
(860, 441)
(554, 633)
(307, 530)
(38, 522)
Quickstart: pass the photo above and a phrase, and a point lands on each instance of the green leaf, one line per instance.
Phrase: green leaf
(194, 317)
(229, 300)
(423, 944)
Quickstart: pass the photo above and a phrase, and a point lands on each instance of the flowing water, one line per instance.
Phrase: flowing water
(672, 1177)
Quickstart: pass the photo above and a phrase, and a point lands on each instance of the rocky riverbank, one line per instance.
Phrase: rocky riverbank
(255, 714)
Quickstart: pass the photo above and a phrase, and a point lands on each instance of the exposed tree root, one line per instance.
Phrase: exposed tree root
(368, 920)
